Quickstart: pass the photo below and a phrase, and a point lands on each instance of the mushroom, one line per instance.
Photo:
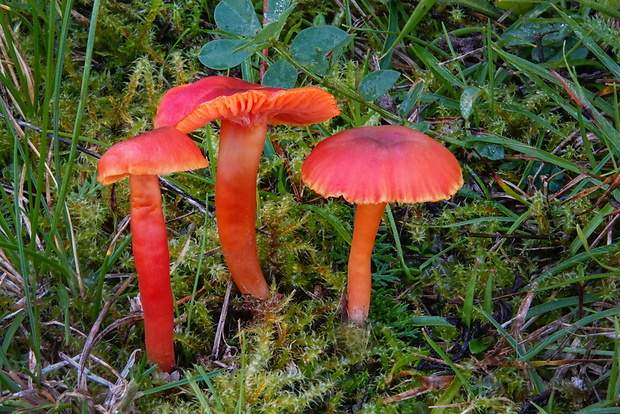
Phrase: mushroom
(373, 166)
(141, 158)
(245, 110)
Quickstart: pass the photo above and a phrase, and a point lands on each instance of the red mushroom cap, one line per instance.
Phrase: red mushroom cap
(160, 151)
(382, 164)
(192, 106)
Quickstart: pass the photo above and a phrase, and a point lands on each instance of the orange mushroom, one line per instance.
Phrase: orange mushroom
(373, 166)
(245, 110)
(141, 158)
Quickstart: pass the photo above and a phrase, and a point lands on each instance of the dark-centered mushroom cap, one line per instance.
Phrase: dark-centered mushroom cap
(160, 151)
(382, 164)
(192, 106)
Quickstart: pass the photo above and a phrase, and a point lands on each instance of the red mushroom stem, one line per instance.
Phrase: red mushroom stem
(141, 158)
(235, 203)
(367, 220)
(152, 259)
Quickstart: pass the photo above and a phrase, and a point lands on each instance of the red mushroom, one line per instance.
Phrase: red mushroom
(161, 151)
(246, 110)
(372, 166)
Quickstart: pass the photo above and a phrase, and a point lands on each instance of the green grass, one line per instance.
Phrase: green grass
(503, 299)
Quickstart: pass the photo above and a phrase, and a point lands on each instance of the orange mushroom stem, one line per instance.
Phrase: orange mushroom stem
(235, 204)
(373, 166)
(152, 259)
(245, 110)
(367, 221)
(142, 158)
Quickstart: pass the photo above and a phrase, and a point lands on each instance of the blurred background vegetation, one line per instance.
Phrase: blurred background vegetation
(502, 299)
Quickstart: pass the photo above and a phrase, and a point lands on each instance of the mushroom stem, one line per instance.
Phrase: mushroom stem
(367, 220)
(152, 259)
(235, 203)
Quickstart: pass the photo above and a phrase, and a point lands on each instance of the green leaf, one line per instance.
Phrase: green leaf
(280, 74)
(431, 62)
(269, 33)
(468, 100)
(479, 345)
(421, 10)
(591, 44)
(411, 99)
(430, 321)
(237, 17)
(561, 303)
(610, 8)
(590, 228)
(526, 32)
(312, 46)
(377, 83)
(527, 150)
(9, 335)
(492, 152)
(275, 8)
(468, 302)
(223, 54)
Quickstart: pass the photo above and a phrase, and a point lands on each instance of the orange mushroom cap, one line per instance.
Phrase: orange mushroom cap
(382, 164)
(192, 106)
(161, 151)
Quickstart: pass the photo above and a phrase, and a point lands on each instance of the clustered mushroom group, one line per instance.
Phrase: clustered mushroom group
(369, 166)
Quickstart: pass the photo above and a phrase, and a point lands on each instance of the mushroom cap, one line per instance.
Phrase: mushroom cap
(382, 164)
(160, 151)
(192, 106)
